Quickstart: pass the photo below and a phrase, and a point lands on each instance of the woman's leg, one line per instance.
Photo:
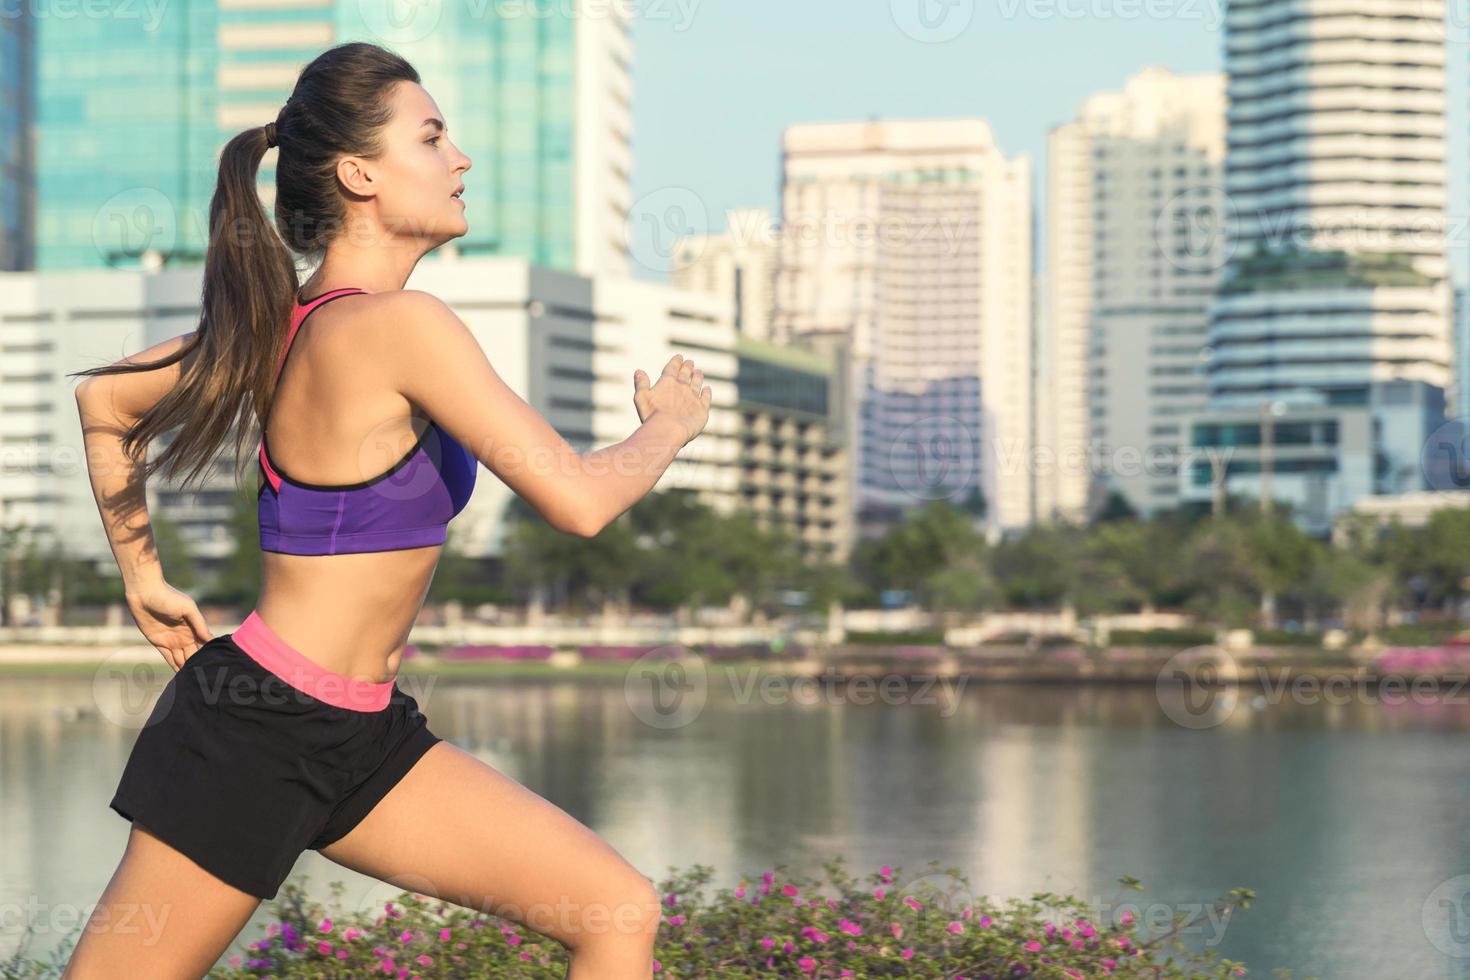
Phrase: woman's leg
(161, 917)
(458, 830)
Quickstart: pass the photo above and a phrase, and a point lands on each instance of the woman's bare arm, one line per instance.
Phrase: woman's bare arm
(436, 362)
(107, 405)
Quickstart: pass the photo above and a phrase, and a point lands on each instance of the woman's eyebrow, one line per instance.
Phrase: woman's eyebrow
(432, 121)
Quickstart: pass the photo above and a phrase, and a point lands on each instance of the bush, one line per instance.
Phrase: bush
(1162, 638)
(777, 925)
(890, 638)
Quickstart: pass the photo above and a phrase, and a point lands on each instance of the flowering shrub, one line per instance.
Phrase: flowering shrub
(777, 925)
(614, 652)
(1414, 660)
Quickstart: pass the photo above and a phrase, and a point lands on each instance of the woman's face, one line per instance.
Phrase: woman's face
(412, 184)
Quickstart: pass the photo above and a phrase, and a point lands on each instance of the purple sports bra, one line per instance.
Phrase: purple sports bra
(407, 506)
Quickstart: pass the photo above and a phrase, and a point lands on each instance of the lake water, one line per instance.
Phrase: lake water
(1351, 821)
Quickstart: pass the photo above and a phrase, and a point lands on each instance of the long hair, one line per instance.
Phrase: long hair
(338, 107)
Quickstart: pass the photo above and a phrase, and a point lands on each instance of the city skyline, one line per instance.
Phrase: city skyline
(728, 155)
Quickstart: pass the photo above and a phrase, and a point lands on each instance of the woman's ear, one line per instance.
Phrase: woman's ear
(355, 177)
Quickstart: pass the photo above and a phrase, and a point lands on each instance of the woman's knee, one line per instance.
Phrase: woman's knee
(628, 916)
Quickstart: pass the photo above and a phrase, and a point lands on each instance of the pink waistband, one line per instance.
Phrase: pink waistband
(290, 665)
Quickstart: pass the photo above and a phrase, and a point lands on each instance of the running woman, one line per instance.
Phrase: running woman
(375, 404)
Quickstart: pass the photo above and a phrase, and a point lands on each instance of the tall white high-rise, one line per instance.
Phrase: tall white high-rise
(909, 241)
(1133, 256)
(738, 263)
(1336, 181)
(1330, 336)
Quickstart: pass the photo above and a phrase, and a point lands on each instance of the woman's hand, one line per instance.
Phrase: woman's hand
(170, 620)
(680, 393)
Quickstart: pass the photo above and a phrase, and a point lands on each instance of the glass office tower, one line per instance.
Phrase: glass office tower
(16, 186)
(132, 116)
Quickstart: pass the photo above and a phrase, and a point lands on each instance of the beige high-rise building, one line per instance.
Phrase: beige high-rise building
(1135, 245)
(738, 263)
(909, 242)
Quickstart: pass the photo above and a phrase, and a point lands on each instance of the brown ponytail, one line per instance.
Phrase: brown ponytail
(338, 106)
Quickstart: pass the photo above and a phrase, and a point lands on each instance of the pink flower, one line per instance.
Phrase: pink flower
(897, 930)
(788, 890)
(740, 892)
(406, 936)
(850, 927)
(885, 873)
(324, 947)
(907, 954)
(1033, 945)
(878, 894)
(676, 920)
(513, 939)
(807, 964)
(1126, 917)
(671, 899)
(657, 966)
(342, 954)
(352, 933)
(444, 935)
(236, 960)
(912, 902)
(984, 922)
(788, 947)
(767, 877)
(955, 928)
(768, 942)
(424, 960)
(326, 926)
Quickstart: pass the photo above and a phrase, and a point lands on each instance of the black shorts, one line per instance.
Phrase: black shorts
(241, 771)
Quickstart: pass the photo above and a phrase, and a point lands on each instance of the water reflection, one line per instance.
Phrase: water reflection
(1343, 817)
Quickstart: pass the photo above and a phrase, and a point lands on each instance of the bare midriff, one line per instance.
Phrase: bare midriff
(349, 613)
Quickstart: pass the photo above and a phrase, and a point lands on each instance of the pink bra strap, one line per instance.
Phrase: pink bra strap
(299, 313)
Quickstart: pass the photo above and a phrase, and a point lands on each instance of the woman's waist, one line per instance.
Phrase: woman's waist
(350, 627)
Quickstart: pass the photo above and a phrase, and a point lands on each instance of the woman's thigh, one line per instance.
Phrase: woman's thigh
(458, 830)
(161, 917)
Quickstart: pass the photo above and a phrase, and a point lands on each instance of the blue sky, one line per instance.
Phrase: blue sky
(715, 81)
